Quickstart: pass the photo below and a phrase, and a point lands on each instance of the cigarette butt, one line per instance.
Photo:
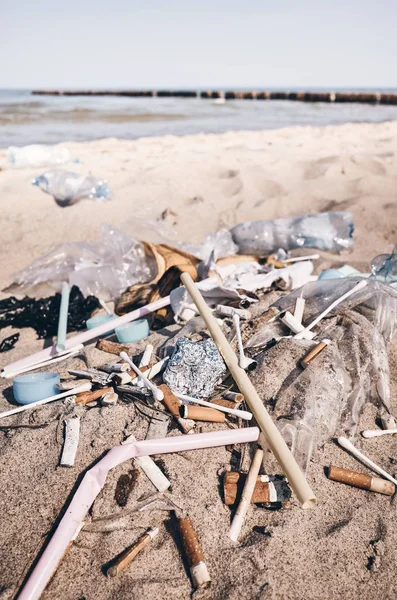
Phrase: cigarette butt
(170, 400)
(194, 554)
(268, 488)
(388, 421)
(127, 557)
(173, 404)
(134, 375)
(233, 396)
(271, 260)
(86, 397)
(305, 362)
(360, 480)
(122, 378)
(202, 413)
(225, 403)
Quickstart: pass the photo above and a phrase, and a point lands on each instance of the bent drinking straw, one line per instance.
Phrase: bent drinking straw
(93, 482)
(276, 442)
(63, 317)
(86, 336)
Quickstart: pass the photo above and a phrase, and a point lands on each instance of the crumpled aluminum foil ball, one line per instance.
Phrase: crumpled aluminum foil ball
(195, 368)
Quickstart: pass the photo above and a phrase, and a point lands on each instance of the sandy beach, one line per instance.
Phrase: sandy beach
(180, 188)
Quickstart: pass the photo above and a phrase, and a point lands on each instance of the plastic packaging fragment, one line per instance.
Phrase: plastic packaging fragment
(384, 266)
(37, 155)
(93, 482)
(43, 314)
(68, 187)
(104, 268)
(326, 231)
(195, 368)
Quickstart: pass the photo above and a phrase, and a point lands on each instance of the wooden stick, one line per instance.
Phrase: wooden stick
(276, 442)
(246, 496)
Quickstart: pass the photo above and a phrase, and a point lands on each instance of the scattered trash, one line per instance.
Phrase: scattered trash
(195, 557)
(384, 267)
(9, 342)
(72, 434)
(194, 368)
(242, 414)
(365, 482)
(388, 421)
(68, 187)
(371, 433)
(248, 364)
(326, 231)
(38, 155)
(198, 413)
(150, 469)
(132, 332)
(30, 388)
(128, 556)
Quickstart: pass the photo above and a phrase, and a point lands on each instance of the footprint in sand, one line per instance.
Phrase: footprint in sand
(231, 182)
(370, 165)
(318, 168)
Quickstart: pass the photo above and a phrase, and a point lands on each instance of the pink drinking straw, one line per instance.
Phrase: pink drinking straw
(93, 482)
(86, 336)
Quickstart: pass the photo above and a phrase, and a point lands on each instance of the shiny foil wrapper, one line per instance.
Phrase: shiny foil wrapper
(195, 368)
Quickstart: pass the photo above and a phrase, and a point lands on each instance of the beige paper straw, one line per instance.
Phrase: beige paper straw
(276, 442)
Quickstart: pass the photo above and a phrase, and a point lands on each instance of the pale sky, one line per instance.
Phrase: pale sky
(218, 43)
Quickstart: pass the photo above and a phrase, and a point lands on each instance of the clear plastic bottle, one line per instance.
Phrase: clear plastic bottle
(37, 155)
(68, 187)
(326, 231)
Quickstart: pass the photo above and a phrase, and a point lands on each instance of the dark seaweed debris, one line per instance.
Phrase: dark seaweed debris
(125, 485)
(9, 342)
(43, 314)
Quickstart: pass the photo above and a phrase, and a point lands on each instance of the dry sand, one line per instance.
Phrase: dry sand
(346, 546)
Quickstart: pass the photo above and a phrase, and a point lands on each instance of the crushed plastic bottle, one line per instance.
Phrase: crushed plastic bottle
(37, 155)
(331, 231)
(68, 187)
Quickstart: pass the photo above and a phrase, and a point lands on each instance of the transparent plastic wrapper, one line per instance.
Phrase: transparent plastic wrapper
(214, 246)
(37, 155)
(331, 231)
(103, 269)
(68, 187)
(317, 403)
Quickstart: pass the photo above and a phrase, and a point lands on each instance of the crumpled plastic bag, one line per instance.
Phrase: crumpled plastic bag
(68, 187)
(103, 269)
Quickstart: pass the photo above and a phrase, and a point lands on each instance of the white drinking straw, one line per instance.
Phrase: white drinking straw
(243, 414)
(157, 394)
(45, 363)
(347, 445)
(84, 387)
(359, 286)
(63, 317)
(246, 495)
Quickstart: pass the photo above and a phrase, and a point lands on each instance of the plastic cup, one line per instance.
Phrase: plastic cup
(98, 320)
(35, 386)
(133, 332)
